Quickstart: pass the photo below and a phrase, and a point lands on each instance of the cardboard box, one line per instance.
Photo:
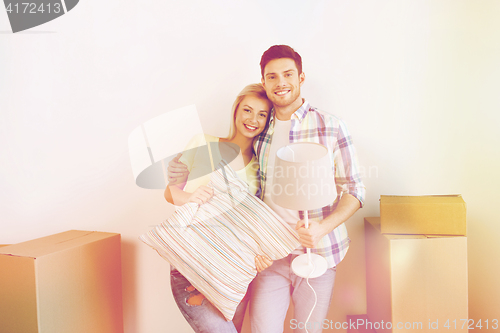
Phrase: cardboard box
(423, 215)
(67, 282)
(415, 281)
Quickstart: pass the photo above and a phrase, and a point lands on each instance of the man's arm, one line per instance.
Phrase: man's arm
(177, 172)
(177, 177)
(348, 178)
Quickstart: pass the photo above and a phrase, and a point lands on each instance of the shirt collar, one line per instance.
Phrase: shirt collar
(300, 114)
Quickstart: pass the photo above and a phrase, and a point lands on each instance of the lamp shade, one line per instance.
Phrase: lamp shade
(303, 177)
(153, 144)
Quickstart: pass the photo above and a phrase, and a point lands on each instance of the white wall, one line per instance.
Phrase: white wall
(416, 81)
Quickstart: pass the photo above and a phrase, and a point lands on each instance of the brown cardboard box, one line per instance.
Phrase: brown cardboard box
(423, 215)
(415, 281)
(67, 282)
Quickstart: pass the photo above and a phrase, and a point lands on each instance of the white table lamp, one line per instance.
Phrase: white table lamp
(303, 180)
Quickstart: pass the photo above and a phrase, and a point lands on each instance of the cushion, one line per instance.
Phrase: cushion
(214, 244)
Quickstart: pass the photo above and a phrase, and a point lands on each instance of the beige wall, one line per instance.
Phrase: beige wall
(416, 81)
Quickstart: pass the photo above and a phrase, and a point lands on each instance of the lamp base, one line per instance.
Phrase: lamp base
(304, 269)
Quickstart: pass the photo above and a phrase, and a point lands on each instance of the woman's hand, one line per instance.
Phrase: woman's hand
(201, 195)
(262, 262)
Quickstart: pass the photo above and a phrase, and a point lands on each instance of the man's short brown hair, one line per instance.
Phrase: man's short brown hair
(278, 52)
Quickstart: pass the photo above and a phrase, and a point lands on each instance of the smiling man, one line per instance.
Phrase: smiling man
(294, 120)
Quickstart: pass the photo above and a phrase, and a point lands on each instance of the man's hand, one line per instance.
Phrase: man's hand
(311, 236)
(177, 171)
(201, 195)
(262, 262)
(347, 206)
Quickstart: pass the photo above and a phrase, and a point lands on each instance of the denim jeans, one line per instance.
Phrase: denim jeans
(271, 293)
(204, 318)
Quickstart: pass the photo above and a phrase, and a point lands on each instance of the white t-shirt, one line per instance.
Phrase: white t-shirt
(280, 139)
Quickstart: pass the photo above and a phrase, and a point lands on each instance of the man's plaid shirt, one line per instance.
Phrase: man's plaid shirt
(312, 125)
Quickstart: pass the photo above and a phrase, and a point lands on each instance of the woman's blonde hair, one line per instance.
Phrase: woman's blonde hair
(254, 89)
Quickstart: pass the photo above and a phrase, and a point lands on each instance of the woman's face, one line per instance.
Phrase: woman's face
(251, 116)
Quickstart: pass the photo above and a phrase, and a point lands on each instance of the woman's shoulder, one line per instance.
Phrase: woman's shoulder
(191, 150)
(253, 165)
(201, 139)
(211, 138)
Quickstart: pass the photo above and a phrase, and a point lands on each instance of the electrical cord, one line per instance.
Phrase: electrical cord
(315, 297)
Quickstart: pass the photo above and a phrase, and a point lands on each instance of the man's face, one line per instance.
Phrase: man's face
(282, 82)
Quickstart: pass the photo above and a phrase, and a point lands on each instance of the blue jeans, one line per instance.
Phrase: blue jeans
(271, 293)
(204, 318)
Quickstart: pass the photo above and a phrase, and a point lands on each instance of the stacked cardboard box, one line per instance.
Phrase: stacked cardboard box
(417, 273)
(68, 282)
(423, 215)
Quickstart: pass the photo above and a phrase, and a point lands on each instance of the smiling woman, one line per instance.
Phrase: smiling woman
(250, 120)
(252, 99)
(250, 113)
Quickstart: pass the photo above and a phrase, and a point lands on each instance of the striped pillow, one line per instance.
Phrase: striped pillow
(214, 245)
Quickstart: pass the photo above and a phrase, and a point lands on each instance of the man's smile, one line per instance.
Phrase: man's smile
(282, 92)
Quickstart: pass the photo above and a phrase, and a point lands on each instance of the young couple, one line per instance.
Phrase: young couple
(266, 118)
